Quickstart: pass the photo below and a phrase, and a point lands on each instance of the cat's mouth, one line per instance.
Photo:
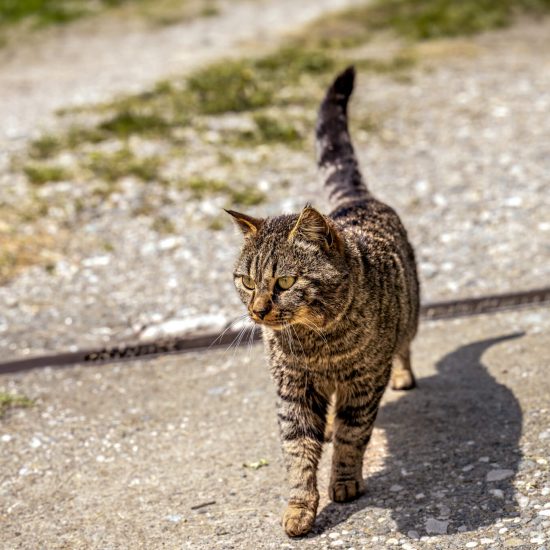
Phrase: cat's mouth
(274, 324)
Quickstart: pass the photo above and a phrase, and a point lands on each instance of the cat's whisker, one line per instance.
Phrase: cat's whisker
(236, 340)
(229, 326)
(251, 339)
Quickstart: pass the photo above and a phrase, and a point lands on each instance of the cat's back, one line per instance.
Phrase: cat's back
(373, 225)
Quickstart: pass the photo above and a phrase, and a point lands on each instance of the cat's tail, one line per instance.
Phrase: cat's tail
(335, 155)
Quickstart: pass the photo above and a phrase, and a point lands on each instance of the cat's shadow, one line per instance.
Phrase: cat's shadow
(443, 439)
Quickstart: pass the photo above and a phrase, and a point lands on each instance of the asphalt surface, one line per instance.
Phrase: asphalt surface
(151, 454)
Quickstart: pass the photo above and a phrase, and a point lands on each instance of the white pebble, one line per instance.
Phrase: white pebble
(471, 544)
(6, 438)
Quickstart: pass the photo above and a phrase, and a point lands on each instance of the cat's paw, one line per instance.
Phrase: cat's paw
(298, 520)
(402, 380)
(344, 491)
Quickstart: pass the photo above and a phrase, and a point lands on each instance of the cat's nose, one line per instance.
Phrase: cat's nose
(262, 311)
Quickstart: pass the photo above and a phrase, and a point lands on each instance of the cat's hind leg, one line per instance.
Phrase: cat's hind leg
(402, 377)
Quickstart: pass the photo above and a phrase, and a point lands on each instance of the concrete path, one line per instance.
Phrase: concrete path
(150, 454)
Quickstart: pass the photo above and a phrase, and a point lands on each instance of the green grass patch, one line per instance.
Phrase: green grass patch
(11, 401)
(417, 20)
(246, 85)
(45, 147)
(41, 12)
(43, 173)
(111, 167)
(127, 122)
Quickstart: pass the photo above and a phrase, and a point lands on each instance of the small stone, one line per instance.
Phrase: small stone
(437, 527)
(392, 541)
(174, 518)
(502, 530)
(499, 475)
(6, 438)
(334, 535)
(413, 535)
(497, 493)
(96, 261)
(396, 488)
(485, 540)
(173, 327)
(483, 459)
(35, 443)
(338, 542)
(472, 544)
(545, 512)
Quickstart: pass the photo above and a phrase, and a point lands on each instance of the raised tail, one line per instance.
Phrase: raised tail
(335, 155)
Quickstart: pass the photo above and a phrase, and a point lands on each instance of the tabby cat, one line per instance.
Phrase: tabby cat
(337, 298)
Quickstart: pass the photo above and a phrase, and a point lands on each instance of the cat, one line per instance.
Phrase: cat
(337, 298)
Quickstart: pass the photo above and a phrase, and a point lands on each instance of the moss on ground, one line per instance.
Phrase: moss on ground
(12, 401)
(43, 173)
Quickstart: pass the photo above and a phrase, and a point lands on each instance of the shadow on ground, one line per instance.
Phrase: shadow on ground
(443, 439)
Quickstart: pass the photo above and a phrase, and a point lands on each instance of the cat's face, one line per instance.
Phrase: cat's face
(291, 269)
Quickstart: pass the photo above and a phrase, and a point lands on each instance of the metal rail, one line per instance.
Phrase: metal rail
(125, 352)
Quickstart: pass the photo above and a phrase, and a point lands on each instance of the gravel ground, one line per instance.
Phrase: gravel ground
(461, 152)
(123, 456)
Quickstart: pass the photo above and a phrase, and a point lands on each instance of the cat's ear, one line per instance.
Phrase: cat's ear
(314, 227)
(247, 224)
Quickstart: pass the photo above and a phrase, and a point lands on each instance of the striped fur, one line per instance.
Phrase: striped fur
(332, 337)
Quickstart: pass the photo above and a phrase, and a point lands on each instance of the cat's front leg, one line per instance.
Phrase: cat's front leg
(301, 413)
(355, 414)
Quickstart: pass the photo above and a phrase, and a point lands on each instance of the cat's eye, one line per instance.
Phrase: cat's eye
(248, 282)
(286, 282)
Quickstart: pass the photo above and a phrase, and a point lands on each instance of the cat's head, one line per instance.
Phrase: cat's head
(292, 269)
